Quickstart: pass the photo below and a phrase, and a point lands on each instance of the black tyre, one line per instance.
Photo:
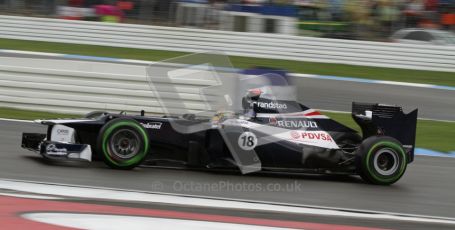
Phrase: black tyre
(123, 143)
(381, 160)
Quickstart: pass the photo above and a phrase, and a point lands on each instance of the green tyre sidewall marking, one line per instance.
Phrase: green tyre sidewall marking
(395, 147)
(134, 160)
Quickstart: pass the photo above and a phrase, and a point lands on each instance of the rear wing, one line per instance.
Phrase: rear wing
(378, 119)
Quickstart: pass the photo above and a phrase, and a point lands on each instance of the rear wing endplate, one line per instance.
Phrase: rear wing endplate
(389, 120)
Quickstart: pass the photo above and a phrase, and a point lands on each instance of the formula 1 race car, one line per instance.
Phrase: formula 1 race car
(269, 135)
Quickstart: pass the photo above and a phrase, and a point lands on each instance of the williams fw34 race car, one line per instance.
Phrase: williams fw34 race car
(269, 135)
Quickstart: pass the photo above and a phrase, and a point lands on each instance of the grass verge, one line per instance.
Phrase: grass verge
(31, 115)
(435, 135)
(377, 73)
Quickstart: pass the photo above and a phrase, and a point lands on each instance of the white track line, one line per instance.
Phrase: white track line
(119, 222)
(143, 62)
(16, 120)
(208, 202)
(323, 110)
(346, 112)
(373, 81)
(31, 53)
(40, 197)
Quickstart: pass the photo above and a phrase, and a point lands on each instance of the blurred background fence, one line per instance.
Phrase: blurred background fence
(349, 19)
(78, 87)
(259, 45)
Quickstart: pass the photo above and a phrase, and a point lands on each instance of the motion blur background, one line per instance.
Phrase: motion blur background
(336, 51)
(373, 20)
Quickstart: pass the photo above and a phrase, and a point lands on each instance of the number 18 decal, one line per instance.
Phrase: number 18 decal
(247, 141)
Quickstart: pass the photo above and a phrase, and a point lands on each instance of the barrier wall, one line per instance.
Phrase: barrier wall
(261, 45)
(78, 87)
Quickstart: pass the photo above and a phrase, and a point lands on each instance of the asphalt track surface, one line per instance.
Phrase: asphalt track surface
(337, 95)
(427, 188)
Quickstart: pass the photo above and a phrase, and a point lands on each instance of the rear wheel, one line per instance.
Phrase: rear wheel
(381, 160)
(123, 143)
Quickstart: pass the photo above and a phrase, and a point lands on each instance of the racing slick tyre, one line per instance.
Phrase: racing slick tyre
(381, 160)
(123, 143)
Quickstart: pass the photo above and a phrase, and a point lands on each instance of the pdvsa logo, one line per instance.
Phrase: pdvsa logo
(295, 135)
(316, 136)
(311, 136)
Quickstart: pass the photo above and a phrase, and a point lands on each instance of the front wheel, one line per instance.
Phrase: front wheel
(381, 160)
(123, 143)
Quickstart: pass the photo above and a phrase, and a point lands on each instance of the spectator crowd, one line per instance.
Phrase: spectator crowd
(400, 13)
(375, 17)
